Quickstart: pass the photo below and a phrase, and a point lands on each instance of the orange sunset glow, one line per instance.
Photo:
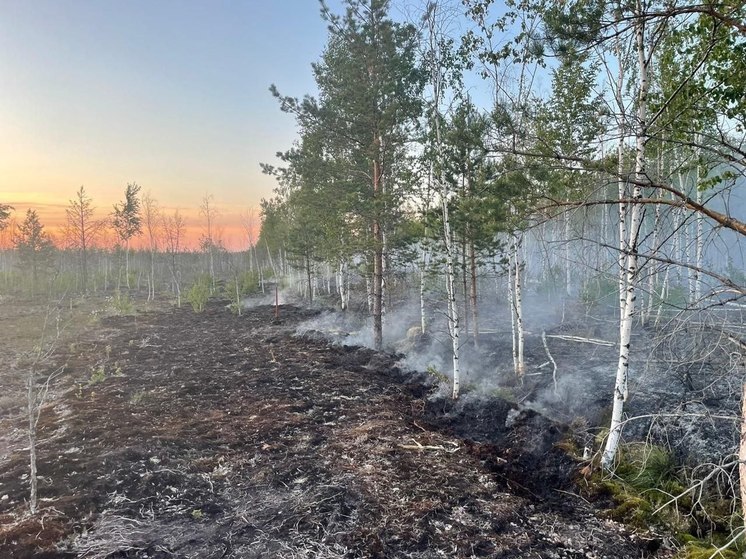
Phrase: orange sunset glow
(177, 101)
(233, 228)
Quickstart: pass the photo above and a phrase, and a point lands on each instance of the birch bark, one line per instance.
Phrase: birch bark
(630, 254)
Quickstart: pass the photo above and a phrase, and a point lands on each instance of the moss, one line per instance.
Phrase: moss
(569, 447)
(702, 550)
(503, 392)
(645, 479)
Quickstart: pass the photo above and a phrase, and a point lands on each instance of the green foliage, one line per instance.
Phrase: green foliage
(329, 204)
(437, 375)
(702, 550)
(650, 470)
(599, 290)
(240, 286)
(126, 220)
(35, 247)
(503, 392)
(121, 303)
(98, 375)
(138, 397)
(645, 480)
(4, 215)
(199, 293)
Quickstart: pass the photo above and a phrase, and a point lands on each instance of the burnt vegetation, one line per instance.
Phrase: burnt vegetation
(491, 320)
(213, 435)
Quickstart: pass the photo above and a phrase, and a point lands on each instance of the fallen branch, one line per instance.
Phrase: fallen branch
(582, 340)
(549, 355)
(418, 446)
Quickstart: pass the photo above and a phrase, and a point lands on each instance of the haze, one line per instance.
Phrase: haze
(171, 95)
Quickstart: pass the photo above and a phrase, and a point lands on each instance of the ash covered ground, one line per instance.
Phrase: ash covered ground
(218, 436)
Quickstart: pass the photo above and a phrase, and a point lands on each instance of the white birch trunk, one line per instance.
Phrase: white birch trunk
(652, 273)
(423, 275)
(568, 273)
(518, 302)
(511, 303)
(742, 454)
(699, 245)
(688, 259)
(631, 269)
(663, 296)
(436, 76)
(621, 183)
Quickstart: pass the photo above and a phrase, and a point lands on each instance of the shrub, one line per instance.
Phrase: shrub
(122, 303)
(199, 293)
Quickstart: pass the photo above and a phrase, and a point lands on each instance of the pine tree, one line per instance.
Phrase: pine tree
(35, 247)
(369, 99)
(4, 215)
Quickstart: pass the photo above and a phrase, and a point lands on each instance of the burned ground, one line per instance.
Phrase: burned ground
(175, 434)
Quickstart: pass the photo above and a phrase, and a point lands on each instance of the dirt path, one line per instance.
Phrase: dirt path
(215, 436)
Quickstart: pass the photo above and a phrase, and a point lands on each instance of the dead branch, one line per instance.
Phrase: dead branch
(580, 339)
(421, 447)
(549, 355)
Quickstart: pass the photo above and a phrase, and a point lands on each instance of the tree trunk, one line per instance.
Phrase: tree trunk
(309, 279)
(698, 246)
(631, 270)
(465, 287)
(423, 275)
(742, 454)
(32, 414)
(453, 316)
(516, 287)
(511, 304)
(127, 262)
(473, 293)
(377, 252)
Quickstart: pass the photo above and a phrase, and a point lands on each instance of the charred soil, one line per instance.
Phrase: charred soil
(176, 434)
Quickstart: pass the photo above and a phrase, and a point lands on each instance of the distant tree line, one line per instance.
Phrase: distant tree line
(94, 254)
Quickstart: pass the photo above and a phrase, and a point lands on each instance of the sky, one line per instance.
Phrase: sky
(172, 95)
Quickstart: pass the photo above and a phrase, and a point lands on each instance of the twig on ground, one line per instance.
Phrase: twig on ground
(595, 341)
(418, 446)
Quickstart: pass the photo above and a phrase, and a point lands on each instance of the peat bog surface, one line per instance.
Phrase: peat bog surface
(210, 435)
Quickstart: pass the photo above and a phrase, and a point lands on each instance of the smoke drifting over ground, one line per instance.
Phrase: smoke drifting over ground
(581, 389)
(486, 362)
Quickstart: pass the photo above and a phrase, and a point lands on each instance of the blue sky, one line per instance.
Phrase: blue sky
(170, 94)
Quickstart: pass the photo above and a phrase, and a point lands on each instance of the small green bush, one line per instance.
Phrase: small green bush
(122, 303)
(199, 293)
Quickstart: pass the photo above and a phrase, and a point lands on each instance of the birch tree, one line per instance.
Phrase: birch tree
(174, 228)
(82, 230)
(38, 382)
(208, 239)
(630, 253)
(151, 217)
(127, 222)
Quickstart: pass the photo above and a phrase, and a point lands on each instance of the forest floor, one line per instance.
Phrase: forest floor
(210, 435)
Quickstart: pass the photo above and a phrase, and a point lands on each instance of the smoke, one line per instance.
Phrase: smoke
(282, 297)
(581, 390)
